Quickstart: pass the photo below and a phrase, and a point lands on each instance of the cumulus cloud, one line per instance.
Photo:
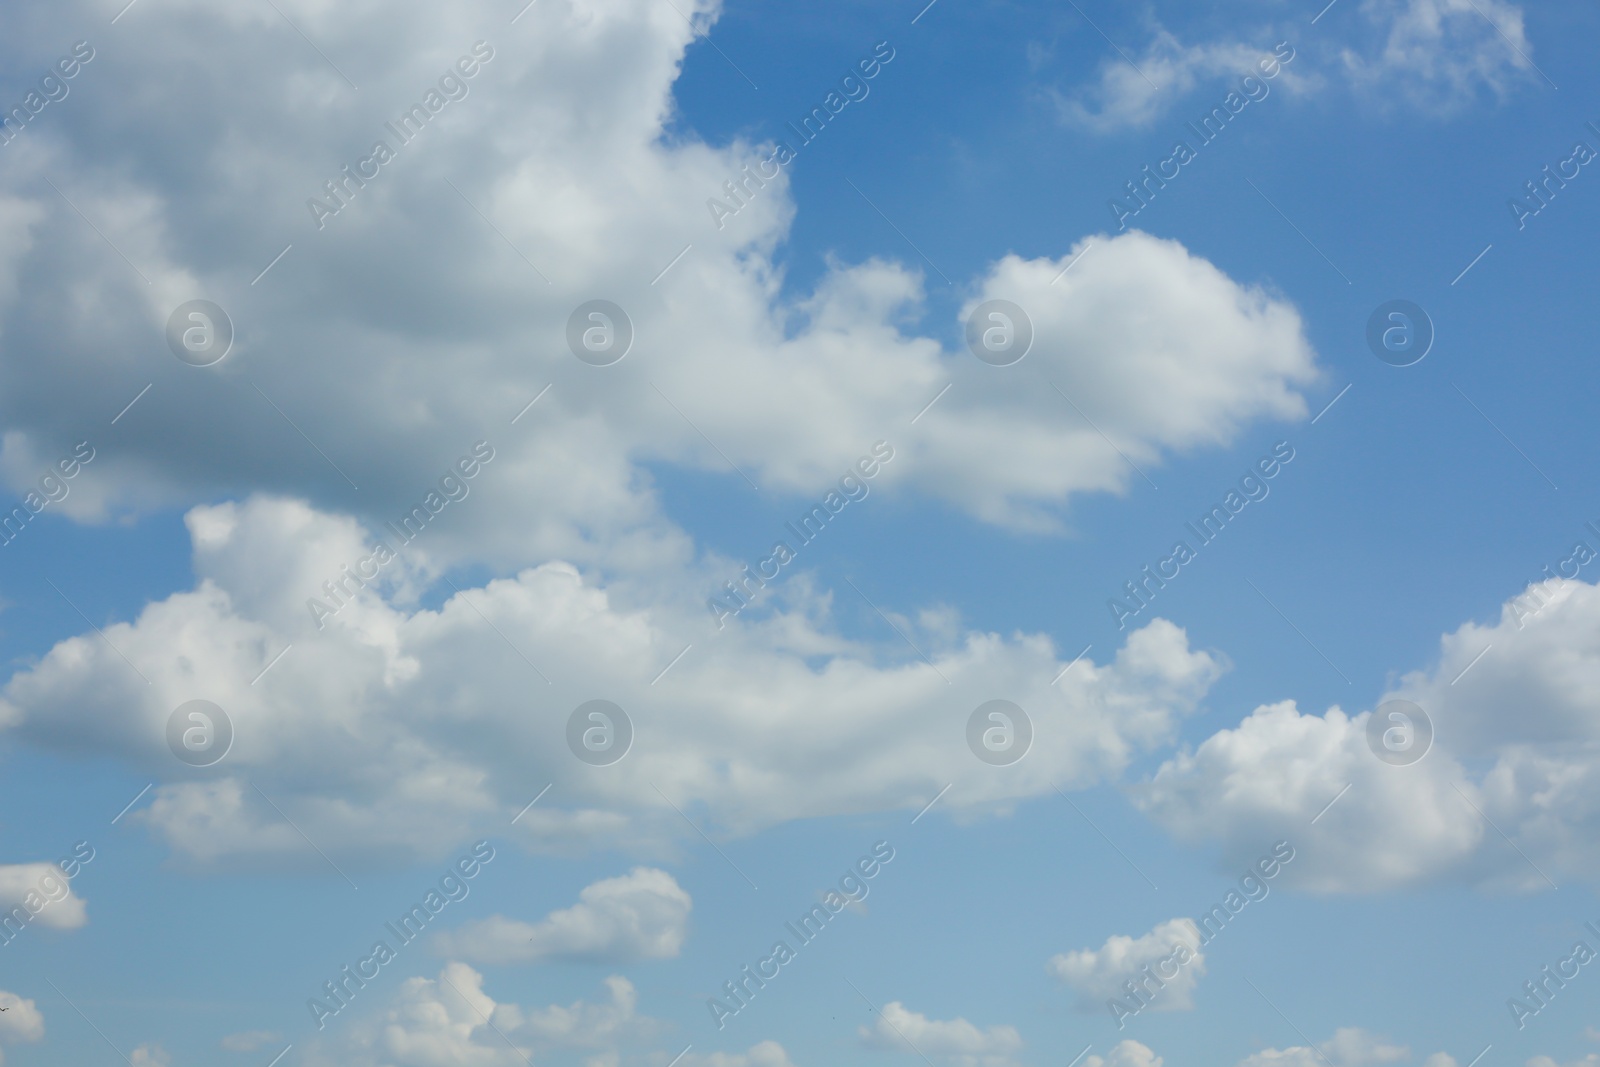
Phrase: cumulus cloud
(1524, 712)
(399, 730)
(1219, 355)
(643, 915)
(43, 892)
(1098, 975)
(21, 1021)
(1543, 656)
(405, 328)
(582, 1024)
(1268, 778)
(955, 1041)
(150, 1056)
(1591, 1060)
(1125, 1054)
(432, 1022)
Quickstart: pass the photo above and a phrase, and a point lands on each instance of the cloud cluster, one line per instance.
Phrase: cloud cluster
(435, 306)
(449, 1019)
(1514, 706)
(360, 361)
(391, 360)
(401, 730)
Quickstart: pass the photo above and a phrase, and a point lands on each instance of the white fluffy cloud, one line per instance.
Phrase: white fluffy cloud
(1525, 712)
(43, 892)
(1125, 1054)
(581, 1024)
(1591, 1060)
(406, 328)
(1214, 357)
(446, 1021)
(404, 730)
(1543, 657)
(21, 1021)
(955, 1041)
(149, 1056)
(1349, 1047)
(1097, 975)
(1267, 779)
(642, 915)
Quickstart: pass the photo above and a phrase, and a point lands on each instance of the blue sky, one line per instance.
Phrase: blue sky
(1400, 554)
